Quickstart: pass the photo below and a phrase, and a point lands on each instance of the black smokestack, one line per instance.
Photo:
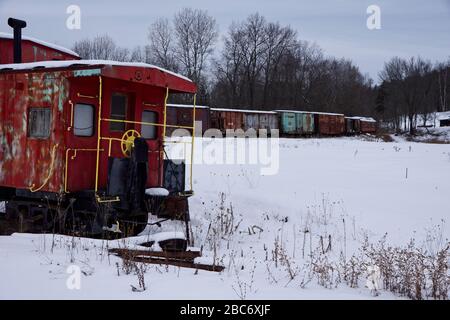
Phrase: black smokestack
(17, 25)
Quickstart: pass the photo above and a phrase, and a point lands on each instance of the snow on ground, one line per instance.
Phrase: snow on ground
(430, 135)
(331, 192)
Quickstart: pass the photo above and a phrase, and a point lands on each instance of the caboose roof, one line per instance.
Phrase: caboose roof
(129, 71)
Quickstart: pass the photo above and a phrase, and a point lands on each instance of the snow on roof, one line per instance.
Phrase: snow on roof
(313, 112)
(366, 119)
(4, 35)
(185, 106)
(68, 63)
(242, 110)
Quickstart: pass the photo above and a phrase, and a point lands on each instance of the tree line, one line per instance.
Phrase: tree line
(260, 64)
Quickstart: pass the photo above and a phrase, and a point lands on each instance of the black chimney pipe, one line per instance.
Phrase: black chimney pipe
(17, 25)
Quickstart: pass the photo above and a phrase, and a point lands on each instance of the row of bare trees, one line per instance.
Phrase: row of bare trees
(265, 65)
(411, 91)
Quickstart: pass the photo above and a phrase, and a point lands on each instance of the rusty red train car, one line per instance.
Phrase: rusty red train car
(67, 133)
(181, 115)
(243, 119)
(226, 119)
(368, 125)
(329, 123)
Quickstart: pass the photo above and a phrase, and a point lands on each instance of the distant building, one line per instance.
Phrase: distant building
(444, 119)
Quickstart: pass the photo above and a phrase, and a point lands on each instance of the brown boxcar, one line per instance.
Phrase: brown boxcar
(329, 123)
(368, 125)
(225, 119)
(181, 115)
(234, 119)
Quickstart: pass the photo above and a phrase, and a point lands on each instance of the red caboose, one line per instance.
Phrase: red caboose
(82, 137)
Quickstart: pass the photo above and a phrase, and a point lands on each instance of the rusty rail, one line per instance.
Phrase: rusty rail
(183, 259)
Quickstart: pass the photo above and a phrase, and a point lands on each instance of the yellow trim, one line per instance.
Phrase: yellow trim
(193, 140)
(147, 123)
(104, 200)
(85, 96)
(71, 116)
(163, 138)
(165, 114)
(150, 104)
(98, 131)
(50, 173)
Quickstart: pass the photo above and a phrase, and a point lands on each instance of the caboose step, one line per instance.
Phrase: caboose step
(107, 199)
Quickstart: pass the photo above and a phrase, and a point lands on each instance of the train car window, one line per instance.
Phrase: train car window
(39, 123)
(148, 131)
(119, 104)
(83, 120)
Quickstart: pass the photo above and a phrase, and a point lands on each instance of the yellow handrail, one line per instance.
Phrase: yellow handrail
(165, 114)
(86, 96)
(147, 123)
(71, 116)
(50, 173)
(98, 131)
(192, 144)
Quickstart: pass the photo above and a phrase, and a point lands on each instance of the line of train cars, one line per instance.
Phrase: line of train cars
(290, 123)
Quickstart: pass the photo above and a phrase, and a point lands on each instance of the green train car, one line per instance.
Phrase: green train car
(294, 123)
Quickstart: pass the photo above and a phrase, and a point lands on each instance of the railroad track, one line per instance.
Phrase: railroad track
(184, 259)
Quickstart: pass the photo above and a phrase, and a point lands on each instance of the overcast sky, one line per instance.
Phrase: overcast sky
(408, 27)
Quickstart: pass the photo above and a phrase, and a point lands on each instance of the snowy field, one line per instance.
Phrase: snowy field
(329, 197)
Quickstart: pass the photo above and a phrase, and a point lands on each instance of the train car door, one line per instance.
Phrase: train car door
(81, 137)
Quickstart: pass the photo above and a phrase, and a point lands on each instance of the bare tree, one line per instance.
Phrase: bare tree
(264, 65)
(443, 84)
(195, 34)
(409, 80)
(229, 68)
(101, 47)
(253, 47)
(278, 41)
(162, 51)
